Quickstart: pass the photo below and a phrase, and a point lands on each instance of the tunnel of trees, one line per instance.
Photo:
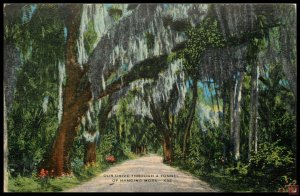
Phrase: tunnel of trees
(210, 87)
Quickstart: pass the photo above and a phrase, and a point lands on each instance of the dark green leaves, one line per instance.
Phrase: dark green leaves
(204, 36)
(90, 37)
(115, 13)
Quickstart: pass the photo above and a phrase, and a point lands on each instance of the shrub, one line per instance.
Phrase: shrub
(61, 183)
(129, 154)
(23, 184)
(110, 159)
(273, 163)
(115, 13)
(90, 37)
(239, 169)
(271, 158)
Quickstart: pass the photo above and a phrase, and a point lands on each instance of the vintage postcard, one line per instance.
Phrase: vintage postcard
(150, 97)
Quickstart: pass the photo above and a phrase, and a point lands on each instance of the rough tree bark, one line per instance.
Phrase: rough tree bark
(253, 111)
(11, 61)
(232, 114)
(236, 115)
(190, 117)
(75, 103)
(90, 155)
(256, 116)
(5, 150)
(167, 148)
(166, 132)
(223, 137)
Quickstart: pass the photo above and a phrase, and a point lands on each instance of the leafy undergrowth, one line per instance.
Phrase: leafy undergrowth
(225, 180)
(47, 184)
(34, 184)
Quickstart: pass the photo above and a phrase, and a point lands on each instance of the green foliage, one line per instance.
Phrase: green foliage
(106, 145)
(86, 172)
(23, 184)
(276, 109)
(31, 127)
(90, 37)
(81, 172)
(239, 169)
(115, 13)
(272, 159)
(202, 37)
(128, 153)
(59, 184)
(171, 57)
(34, 184)
(276, 161)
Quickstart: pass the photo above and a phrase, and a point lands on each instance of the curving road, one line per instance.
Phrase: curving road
(145, 174)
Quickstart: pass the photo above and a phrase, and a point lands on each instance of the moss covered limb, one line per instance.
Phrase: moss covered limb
(150, 68)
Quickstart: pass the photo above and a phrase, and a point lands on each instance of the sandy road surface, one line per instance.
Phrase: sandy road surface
(145, 174)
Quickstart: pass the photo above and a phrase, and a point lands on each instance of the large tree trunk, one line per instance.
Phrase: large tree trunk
(253, 110)
(256, 114)
(90, 153)
(167, 148)
(232, 114)
(75, 102)
(223, 138)
(60, 157)
(11, 61)
(90, 147)
(5, 150)
(236, 115)
(190, 117)
(165, 130)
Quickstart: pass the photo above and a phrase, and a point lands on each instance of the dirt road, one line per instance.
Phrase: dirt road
(145, 174)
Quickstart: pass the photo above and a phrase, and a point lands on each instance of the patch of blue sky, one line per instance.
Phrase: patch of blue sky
(206, 92)
(187, 84)
(166, 6)
(107, 5)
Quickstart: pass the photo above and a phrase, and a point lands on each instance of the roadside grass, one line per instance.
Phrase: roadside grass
(224, 182)
(47, 184)
(229, 183)
(36, 184)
